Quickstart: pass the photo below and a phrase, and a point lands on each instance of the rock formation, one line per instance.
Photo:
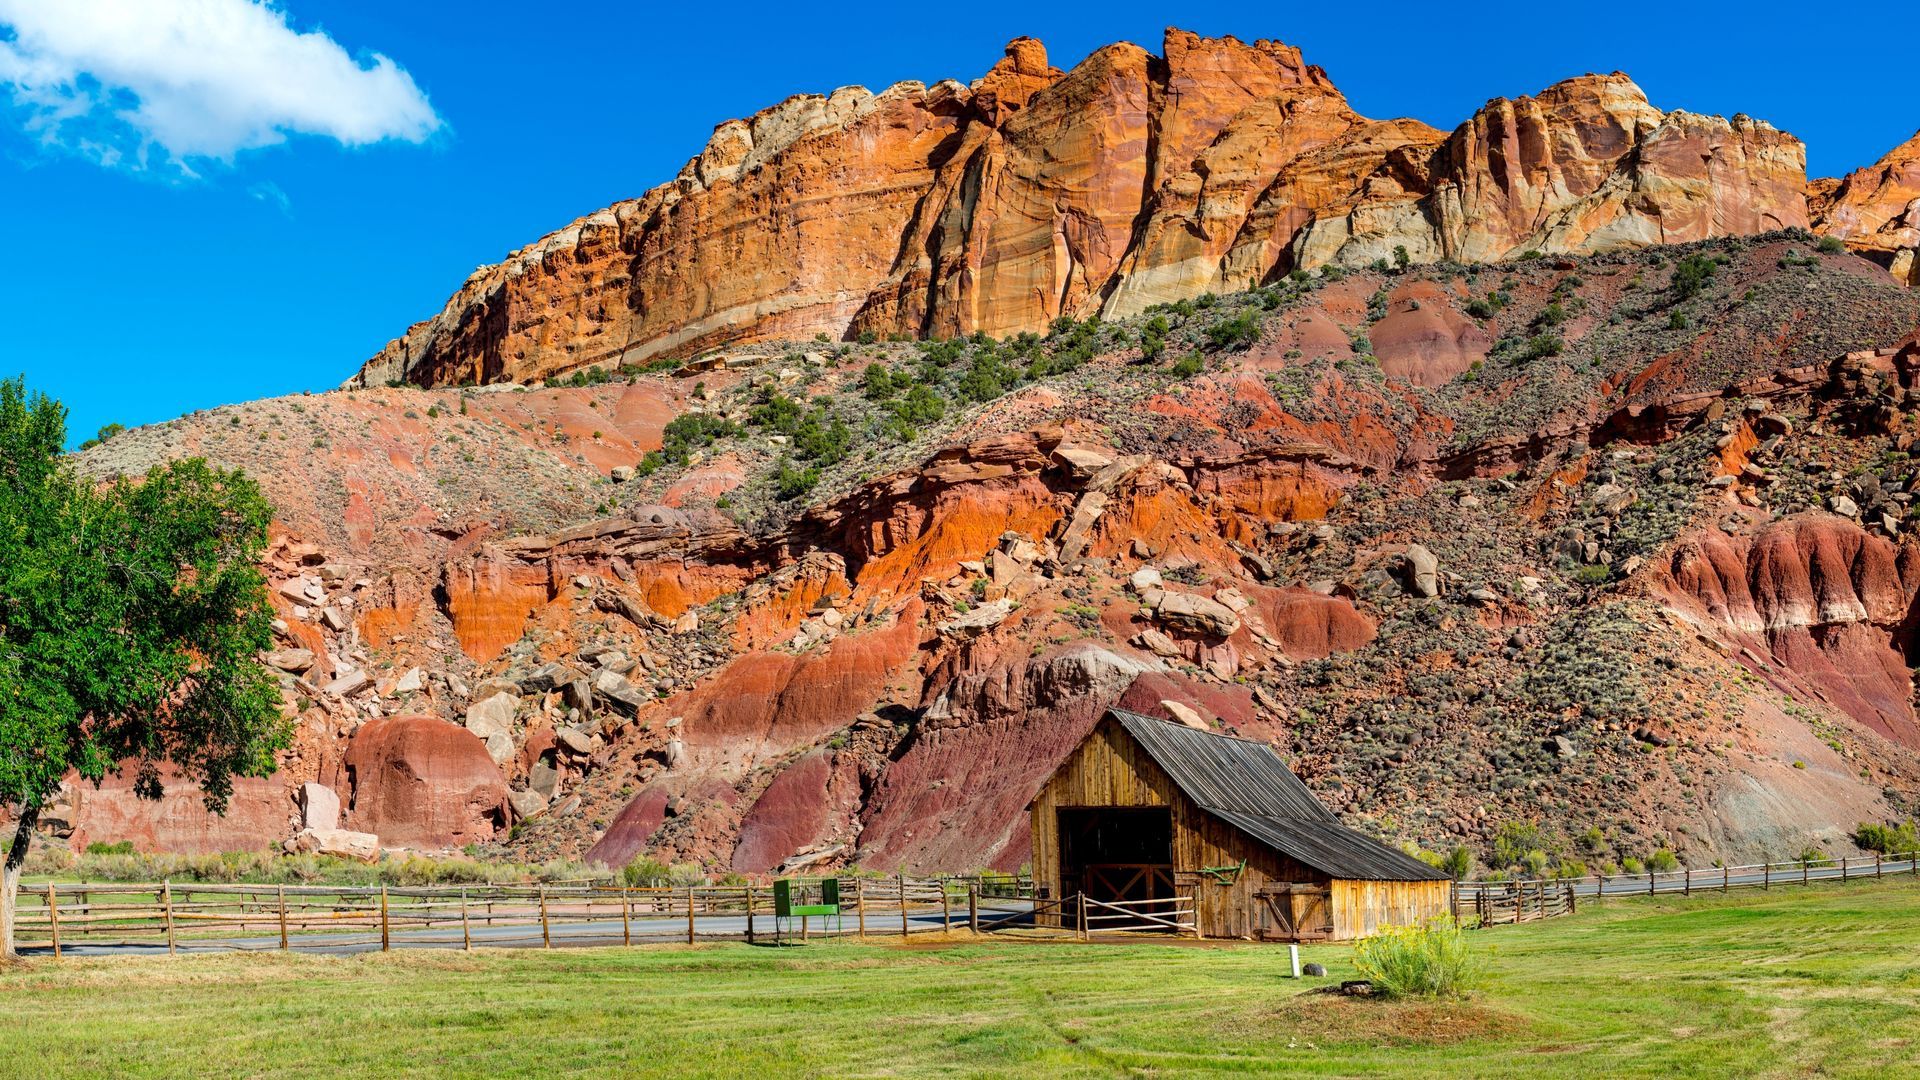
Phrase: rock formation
(1131, 180)
(1876, 210)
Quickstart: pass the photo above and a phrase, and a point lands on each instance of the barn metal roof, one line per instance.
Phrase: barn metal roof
(1246, 785)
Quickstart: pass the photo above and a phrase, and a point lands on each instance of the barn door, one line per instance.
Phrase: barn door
(1295, 911)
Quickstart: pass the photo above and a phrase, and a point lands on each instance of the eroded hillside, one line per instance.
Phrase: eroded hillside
(1616, 544)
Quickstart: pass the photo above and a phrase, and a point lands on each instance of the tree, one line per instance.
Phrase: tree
(132, 618)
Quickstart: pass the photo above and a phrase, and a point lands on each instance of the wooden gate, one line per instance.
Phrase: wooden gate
(1128, 881)
(1295, 911)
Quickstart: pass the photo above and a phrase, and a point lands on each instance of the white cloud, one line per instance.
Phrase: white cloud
(140, 82)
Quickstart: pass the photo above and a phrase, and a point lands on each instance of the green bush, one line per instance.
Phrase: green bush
(1691, 274)
(118, 847)
(1513, 842)
(1887, 839)
(1188, 366)
(1831, 245)
(1238, 332)
(1631, 865)
(1663, 861)
(644, 872)
(1430, 961)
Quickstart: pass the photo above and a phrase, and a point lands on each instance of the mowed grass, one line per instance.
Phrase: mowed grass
(1822, 980)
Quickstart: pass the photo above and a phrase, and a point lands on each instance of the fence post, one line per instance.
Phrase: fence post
(546, 932)
(973, 907)
(1649, 883)
(383, 918)
(1803, 867)
(946, 910)
(1726, 872)
(1766, 871)
(901, 881)
(466, 930)
(1877, 874)
(53, 916)
(689, 914)
(1687, 889)
(749, 914)
(1843, 869)
(166, 911)
(1083, 914)
(860, 905)
(282, 889)
(1573, 905)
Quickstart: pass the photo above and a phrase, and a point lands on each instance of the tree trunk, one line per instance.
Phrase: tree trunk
(15, 865)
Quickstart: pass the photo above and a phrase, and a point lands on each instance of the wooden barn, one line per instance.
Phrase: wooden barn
(1145, 809)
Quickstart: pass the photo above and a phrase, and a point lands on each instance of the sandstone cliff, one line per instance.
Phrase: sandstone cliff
(1131, 180)
(1876, 210)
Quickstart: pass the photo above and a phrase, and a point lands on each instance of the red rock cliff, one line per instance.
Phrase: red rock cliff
(1131, 180)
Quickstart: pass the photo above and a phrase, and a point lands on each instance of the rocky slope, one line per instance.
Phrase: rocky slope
(1133, 179)
(1616, 545)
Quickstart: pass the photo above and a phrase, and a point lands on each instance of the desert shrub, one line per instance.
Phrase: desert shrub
(1690, 275)
(1237, 332)
(1400, 257)
(791, 483)
(1631, 865)
(1429, 961)
(1514, 841)
(1187, 367)
(1831, 245)
(1663, 861)
(1593, 574)
(1887, 839)
(117, 847)
(644, 872)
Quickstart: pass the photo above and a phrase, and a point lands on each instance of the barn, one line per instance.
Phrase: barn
(1144, 809)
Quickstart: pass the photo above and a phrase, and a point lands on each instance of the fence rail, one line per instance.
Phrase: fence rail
(180, 916)
(1493, 903)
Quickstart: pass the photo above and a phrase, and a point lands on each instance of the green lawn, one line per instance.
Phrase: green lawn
(1822, 980)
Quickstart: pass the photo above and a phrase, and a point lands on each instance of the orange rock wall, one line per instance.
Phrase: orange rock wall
(1130, 180)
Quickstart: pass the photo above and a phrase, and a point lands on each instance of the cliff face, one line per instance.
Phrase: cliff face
(1131, 180)
(1876, 210)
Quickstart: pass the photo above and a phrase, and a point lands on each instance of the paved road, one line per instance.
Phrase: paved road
(563, 934)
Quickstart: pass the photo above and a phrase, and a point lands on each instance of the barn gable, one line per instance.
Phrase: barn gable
(1247, 786)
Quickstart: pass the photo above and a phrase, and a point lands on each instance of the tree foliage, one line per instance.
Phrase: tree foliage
(132, 616)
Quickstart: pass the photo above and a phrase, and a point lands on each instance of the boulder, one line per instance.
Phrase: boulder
(1421, 570)
(493, 716)
(1186, 714)
(340, 843)
(1190, 611)
(295, 660)
(979, 620)
(421, 782)
(319, 806)
(526, 803)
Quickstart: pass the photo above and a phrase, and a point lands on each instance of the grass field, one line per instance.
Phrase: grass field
(1822, 980)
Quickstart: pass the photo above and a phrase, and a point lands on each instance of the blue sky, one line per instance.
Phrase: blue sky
(268, 217)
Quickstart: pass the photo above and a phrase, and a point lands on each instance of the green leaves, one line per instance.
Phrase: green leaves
(131, 619)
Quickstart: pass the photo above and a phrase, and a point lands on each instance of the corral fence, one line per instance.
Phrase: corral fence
(179, 917)
(1495, 903)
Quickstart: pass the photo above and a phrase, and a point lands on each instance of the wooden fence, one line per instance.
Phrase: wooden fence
(1494, 903)
(179, 916)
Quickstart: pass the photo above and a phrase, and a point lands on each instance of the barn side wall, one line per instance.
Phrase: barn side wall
(1362, 907)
